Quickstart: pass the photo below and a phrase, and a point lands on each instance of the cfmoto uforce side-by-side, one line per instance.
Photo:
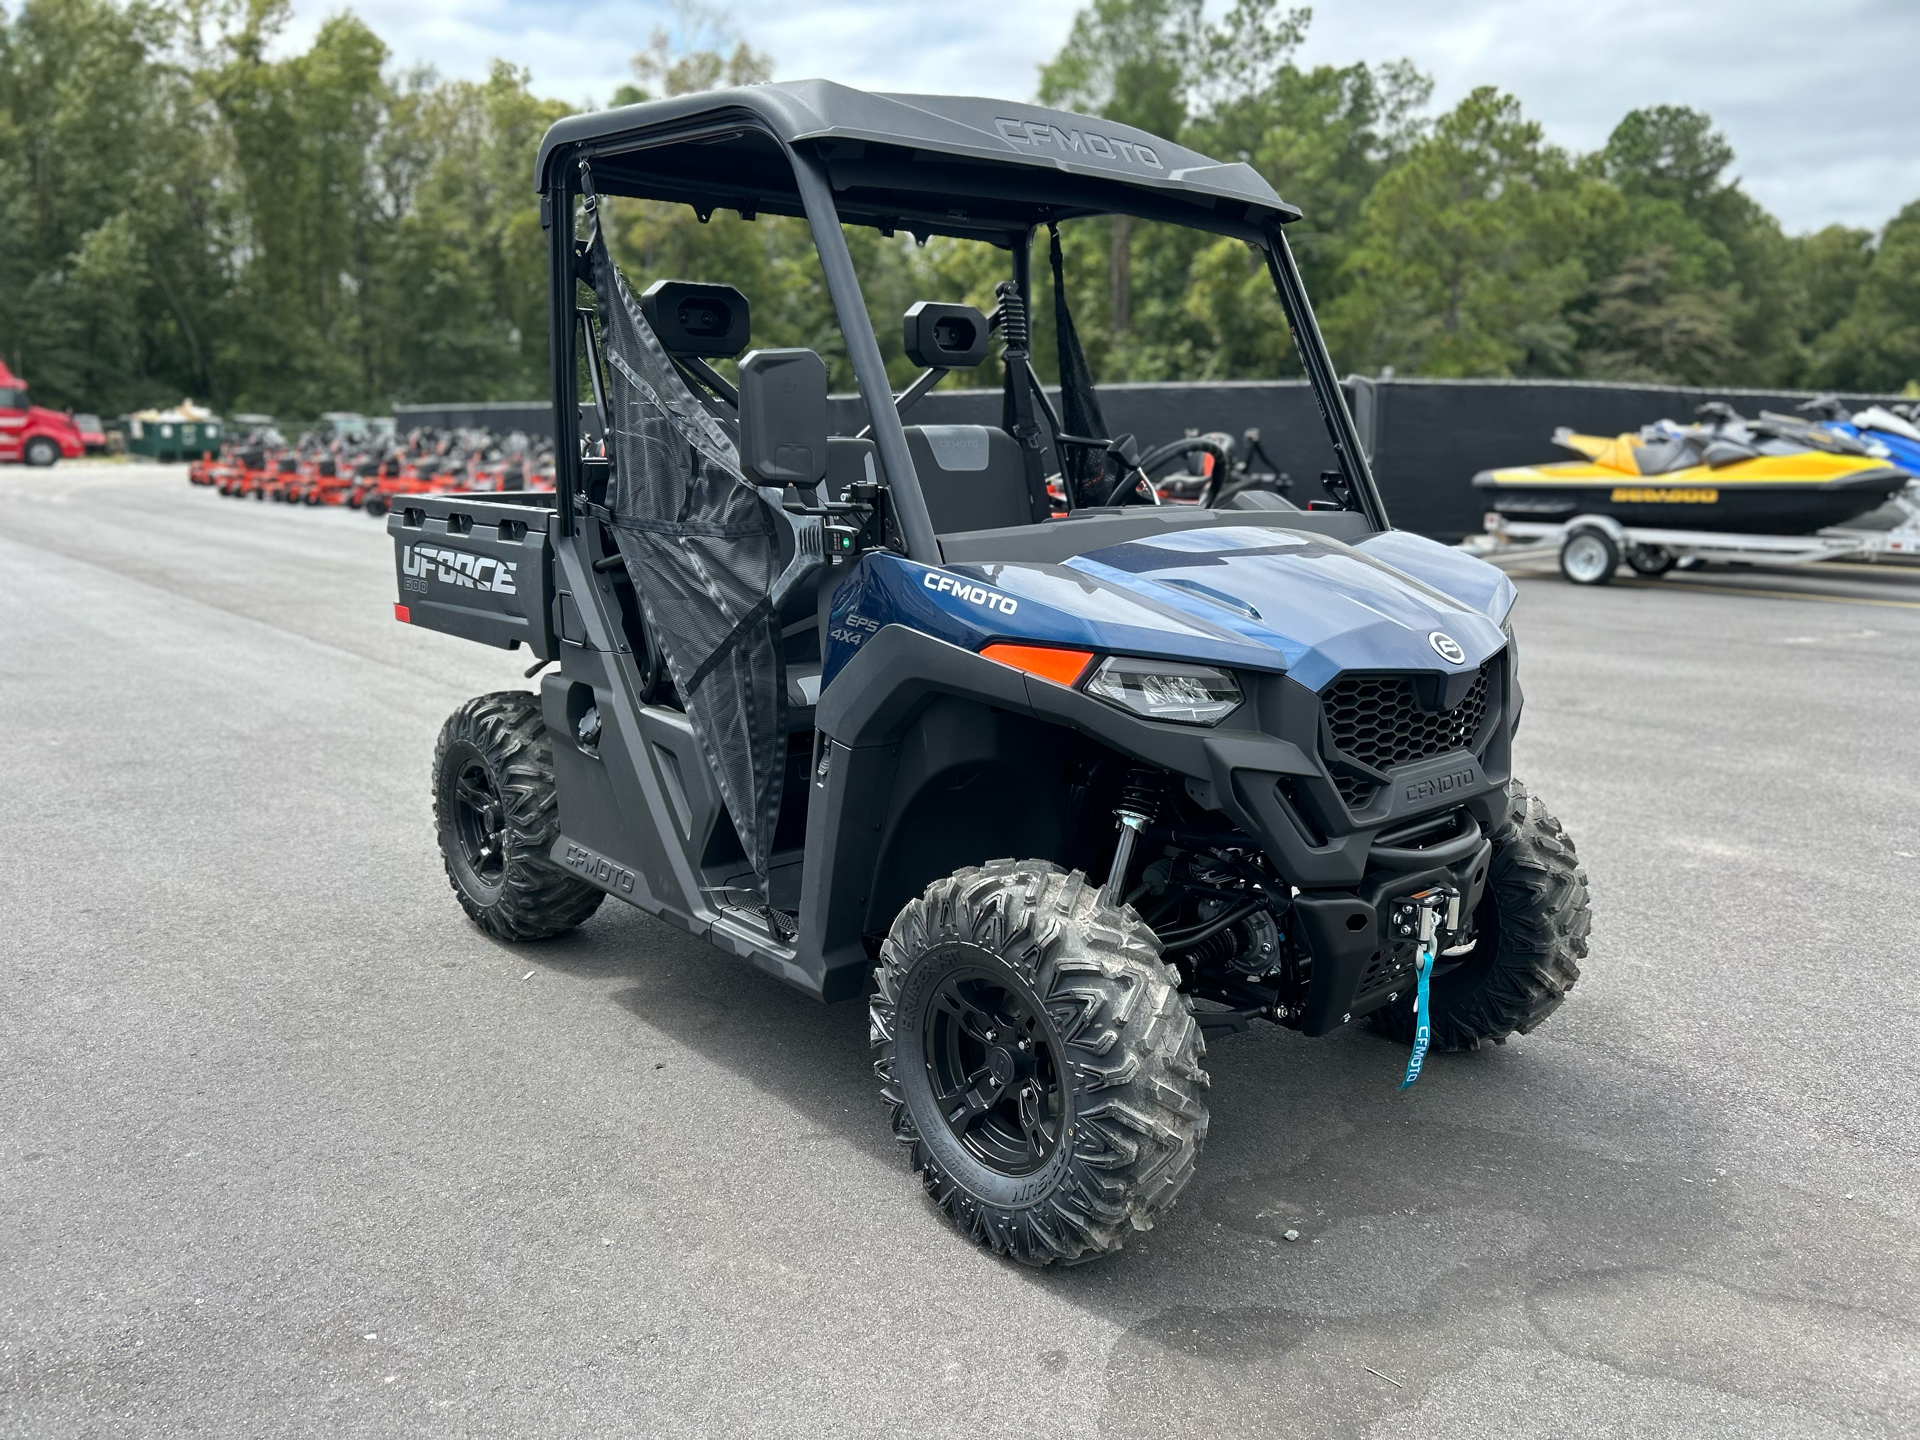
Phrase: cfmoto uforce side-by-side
(963, 719)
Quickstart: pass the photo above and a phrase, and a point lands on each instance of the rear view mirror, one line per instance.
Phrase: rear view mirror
(783, 417)
(692, 319)
(945, 337)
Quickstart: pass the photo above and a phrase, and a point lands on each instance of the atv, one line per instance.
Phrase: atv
(960, 719)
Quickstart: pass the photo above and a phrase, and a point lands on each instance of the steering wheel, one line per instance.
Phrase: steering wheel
(1220, 447)
(1123, 454)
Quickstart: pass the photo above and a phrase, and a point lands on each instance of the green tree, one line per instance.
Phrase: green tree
(1323, 138)
(1176, 304)
(1669, 152)
(1829, 266)
(1876, 346)
(1129, 61)
(1468, 251)
(188, 209)
(464, 296)
(109, 206)
(1641, 325)
(1697, 252)
(304, 131)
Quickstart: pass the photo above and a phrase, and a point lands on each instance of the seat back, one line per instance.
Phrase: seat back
(848, 461)
(972, 476)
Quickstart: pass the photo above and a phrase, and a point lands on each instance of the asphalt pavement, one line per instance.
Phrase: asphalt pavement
(287, 1147)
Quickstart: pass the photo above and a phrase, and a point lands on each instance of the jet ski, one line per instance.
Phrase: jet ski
(1772, 476)
(1895, 428)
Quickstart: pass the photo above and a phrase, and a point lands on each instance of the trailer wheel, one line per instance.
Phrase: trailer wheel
(40, 451)
(1041, 1067)
(1589, 557)
(1651, 560)
(497, 816)
(1530, 935)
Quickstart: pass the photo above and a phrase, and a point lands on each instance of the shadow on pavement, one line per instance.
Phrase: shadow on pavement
(1446, 1238)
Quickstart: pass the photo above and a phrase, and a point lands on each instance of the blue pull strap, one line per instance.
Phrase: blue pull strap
(1422, 1021)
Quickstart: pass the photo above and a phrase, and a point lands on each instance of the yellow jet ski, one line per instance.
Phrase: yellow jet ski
(1773, 476)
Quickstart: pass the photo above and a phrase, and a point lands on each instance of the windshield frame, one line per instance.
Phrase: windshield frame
(814, 180)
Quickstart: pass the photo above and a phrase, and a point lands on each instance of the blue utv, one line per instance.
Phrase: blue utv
(960, 718)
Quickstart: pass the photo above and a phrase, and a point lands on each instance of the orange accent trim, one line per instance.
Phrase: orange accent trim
(1062, 667)
(402, 614)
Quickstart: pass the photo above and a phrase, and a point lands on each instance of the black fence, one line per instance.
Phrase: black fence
(1428, 438)
(503, 417)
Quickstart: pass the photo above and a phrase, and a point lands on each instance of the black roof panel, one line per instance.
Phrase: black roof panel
(900, 154)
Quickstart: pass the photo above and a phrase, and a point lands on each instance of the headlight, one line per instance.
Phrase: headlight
(1166, 689)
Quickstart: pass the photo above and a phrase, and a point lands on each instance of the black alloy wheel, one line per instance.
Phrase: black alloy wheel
(498, 816)
(995, 1072)
(1039, 1061)
(480, 823)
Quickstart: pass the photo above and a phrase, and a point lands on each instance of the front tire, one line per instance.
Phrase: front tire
(497, 815)
(40, 452)
(1530, 937)
(1040, 1064)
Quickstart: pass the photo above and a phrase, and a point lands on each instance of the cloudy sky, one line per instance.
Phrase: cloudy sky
(1816, 98)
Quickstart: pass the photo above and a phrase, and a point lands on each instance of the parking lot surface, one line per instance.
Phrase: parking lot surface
(288, 1147)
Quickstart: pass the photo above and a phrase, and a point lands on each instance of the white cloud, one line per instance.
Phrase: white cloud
(1814, 99)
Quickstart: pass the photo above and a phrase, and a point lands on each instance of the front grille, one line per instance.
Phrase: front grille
(1356, 790)
(1378, 721)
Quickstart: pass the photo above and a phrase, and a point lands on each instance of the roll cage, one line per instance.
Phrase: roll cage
(966, 167)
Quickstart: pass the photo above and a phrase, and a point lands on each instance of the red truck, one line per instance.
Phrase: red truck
(33, 433)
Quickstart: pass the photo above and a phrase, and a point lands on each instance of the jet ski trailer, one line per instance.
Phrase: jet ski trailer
(1771, 476)
(1591, 548)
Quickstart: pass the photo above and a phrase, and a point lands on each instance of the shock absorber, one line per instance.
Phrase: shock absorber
(1013, 319)
(1139, 807)
(1021, 388)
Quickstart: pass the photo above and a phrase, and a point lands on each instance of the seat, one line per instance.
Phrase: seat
(973, 477)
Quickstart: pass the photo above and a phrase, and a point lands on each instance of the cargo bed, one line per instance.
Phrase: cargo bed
(478, 566)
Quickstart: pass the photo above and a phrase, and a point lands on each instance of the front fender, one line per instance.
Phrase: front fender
(1454, 573)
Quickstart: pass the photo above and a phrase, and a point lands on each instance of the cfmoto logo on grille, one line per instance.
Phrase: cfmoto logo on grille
(1447, 648)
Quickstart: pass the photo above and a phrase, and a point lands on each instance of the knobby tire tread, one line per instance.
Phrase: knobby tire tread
(1133, 1048)
(538, 899)
(1540, 893)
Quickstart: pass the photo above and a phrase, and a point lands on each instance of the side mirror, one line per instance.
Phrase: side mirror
(783, 417)
(711, 321)
(945, 337)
